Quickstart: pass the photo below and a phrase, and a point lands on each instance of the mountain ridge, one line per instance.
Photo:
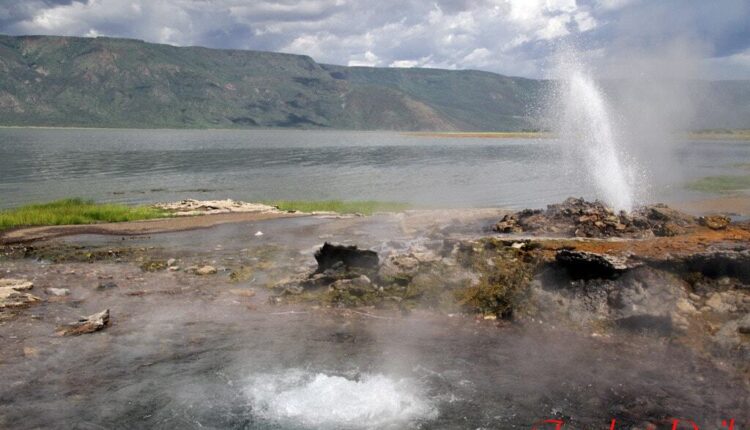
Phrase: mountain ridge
(128, 83)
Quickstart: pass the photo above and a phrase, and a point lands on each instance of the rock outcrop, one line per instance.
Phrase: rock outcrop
(191, 207)
(14, 293)
(581, 218)
(588, 265)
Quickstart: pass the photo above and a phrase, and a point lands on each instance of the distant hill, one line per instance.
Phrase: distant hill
(106, 82)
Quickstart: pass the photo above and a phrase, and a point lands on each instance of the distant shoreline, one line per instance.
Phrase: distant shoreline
(738, 134)
(484, 134)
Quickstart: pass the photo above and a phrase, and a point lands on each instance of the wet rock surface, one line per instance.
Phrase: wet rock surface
(517, 308)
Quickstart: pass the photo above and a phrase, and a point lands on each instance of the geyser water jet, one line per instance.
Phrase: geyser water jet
(585, 125)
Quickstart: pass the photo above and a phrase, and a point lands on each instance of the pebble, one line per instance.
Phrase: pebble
(244, 292)
(59, 292)
(106, 286)
(685, 307)
(205, 270)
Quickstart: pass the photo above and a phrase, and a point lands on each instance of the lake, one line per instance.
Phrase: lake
(139, 166)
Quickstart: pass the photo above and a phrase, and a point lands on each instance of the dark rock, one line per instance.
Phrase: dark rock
(328, 256)
(106, 286)
(589, 265)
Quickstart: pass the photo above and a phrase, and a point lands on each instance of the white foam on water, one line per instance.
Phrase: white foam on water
(587, 128)
(318, 400)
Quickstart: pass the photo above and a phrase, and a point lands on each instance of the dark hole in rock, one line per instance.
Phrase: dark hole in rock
(719, 264)
(588, 265)
(330, 255)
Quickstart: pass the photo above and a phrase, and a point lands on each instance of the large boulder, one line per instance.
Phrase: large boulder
(330, 256)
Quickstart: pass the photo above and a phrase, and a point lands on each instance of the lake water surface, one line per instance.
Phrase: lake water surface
(137, 166)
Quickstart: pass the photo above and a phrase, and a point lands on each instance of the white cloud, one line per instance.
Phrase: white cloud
(585, 21)
(505, 36)
(478, 56)
(614, 4)
(404, 63)
(556, 27)
(367, 59)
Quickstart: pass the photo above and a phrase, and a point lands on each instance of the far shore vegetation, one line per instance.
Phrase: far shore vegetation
(721, 184)
(721, 134)
(364, 207)
(713, 134)
(485, 134)
(710, 134)
(75, 211)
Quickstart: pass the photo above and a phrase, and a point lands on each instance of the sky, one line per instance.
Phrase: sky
(512, 37)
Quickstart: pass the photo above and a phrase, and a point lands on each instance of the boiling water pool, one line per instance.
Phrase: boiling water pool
(173, 362)
(298, 397)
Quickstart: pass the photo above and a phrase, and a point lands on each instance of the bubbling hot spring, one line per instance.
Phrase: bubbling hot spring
(318, 400)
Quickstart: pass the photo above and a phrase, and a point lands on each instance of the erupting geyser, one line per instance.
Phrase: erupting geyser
(585, 126)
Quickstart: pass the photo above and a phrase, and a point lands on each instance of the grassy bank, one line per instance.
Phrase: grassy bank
(721, 184)
(365, 207)
(74, 211)
(484, 134)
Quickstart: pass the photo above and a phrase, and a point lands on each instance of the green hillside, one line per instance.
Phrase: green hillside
(105, 82)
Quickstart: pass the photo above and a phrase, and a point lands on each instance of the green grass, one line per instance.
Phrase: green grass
(365, 207)
(721, 184)
(74, 211)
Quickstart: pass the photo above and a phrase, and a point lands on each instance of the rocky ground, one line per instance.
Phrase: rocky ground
(655, 273)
